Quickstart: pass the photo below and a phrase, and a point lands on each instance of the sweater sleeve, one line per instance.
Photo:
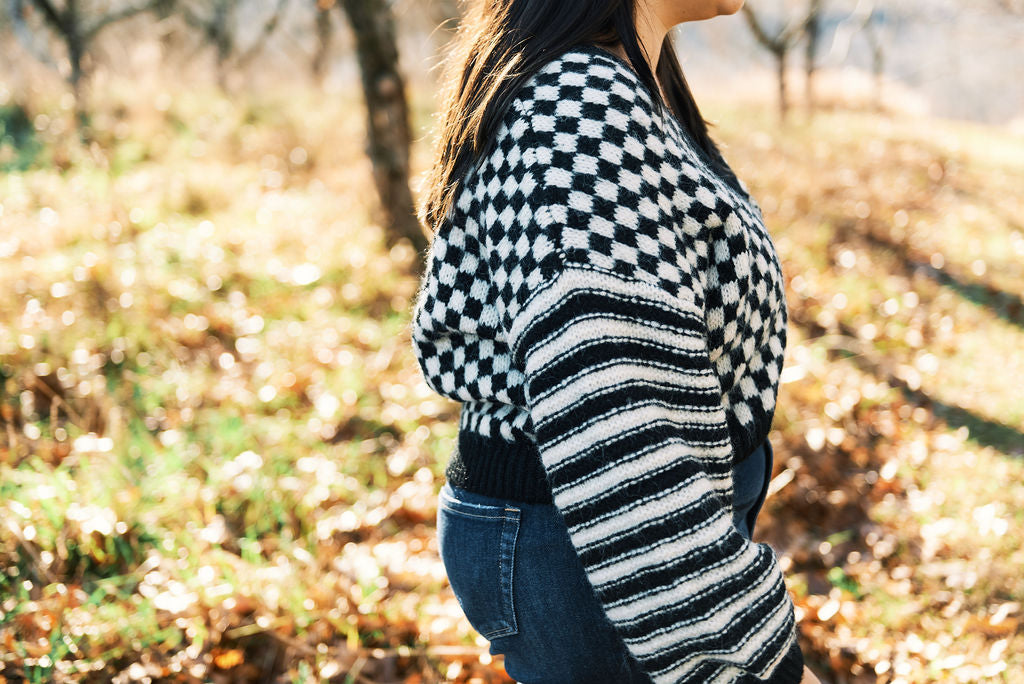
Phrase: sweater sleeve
(623, 397)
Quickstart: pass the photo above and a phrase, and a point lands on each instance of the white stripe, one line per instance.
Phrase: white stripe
(625, 521)
(747, 652)
(601, 328)
(755, 603)
(571, 278)
(582, 446)
(605, 427)
(717, 621)
(741, 669)
(665, 552)
(719, 616)
(589, 329)
(619, 376)
(619, 473)
(629, 525)
(714, 456)
(722, 676)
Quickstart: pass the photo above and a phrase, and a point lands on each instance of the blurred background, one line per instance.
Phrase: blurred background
(219, 461)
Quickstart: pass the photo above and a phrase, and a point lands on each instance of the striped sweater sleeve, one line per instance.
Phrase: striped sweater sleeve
(629, 423)
(624, 400)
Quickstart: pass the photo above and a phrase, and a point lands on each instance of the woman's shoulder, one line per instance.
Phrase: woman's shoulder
(589, 60)
(588, 172)
(569, 123)
(582, 82)
(580, 105)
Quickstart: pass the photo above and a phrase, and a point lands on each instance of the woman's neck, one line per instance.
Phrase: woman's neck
(651, 33)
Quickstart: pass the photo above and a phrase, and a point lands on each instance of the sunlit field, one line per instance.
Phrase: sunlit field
(219, 462)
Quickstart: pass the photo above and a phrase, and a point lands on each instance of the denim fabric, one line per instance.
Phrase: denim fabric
(750, 487)
(522, 587)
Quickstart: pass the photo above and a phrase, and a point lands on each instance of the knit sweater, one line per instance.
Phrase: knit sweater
(605, 302)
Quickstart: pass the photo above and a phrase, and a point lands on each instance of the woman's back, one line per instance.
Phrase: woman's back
(611, 314)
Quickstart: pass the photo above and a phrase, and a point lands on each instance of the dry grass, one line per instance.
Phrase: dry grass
(218, 459)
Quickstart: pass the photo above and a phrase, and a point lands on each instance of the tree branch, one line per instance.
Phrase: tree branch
(50, 13)
(268, 28)
(25, 35)
(124, 13)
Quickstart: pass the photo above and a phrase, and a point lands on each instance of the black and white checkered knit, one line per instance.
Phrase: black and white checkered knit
(609, 309)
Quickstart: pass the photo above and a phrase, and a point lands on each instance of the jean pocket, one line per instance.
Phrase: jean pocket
(477, 544)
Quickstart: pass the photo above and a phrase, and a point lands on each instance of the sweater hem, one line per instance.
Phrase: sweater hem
(497, 468)
(492, 466)
(790, 669)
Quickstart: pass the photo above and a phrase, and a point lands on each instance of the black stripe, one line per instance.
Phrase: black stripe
(630, 588)
(735, 633)
(584, 301)
(654, 532)
(645, 487)
(714, 599)
(599, 351)
(627, 443)
(623, 397)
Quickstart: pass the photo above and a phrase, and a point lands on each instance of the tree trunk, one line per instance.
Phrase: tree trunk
(73, 27)
(388, 135)
(779, 45)
(877, 62)
(780, 62)
(77, 83)
(221, 31)
(324, 34)
(813, 29)
(68, 25)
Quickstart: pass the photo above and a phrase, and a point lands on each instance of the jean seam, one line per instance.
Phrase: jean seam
(509, 536)
(506, 563)
(472, 515)
(492, 511)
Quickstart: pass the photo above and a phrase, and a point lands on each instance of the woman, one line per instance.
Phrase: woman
(603, 299)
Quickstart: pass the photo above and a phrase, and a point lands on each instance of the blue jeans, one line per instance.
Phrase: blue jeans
(522, 587)
(750, 487)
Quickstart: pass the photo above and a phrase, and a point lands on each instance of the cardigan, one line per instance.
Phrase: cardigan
(606, 304)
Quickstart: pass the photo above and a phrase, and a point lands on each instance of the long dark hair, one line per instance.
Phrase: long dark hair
(499, 45)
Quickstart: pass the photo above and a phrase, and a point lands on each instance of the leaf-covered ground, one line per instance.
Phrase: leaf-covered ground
(219, 462)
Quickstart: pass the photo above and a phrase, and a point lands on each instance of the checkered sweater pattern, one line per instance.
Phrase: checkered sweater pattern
(608, 308)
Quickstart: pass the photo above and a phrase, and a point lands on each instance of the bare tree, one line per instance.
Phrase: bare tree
(779, 43)
(76, 24)
(864, 19)
(387, 117)
(324, 38)
(877, 43)
(218, 22)
(813, 33)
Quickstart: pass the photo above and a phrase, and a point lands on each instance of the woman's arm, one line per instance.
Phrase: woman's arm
(627, 413)
(625, 403)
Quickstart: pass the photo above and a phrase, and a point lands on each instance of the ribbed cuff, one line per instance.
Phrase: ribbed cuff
(791, 669)
(493, 467)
